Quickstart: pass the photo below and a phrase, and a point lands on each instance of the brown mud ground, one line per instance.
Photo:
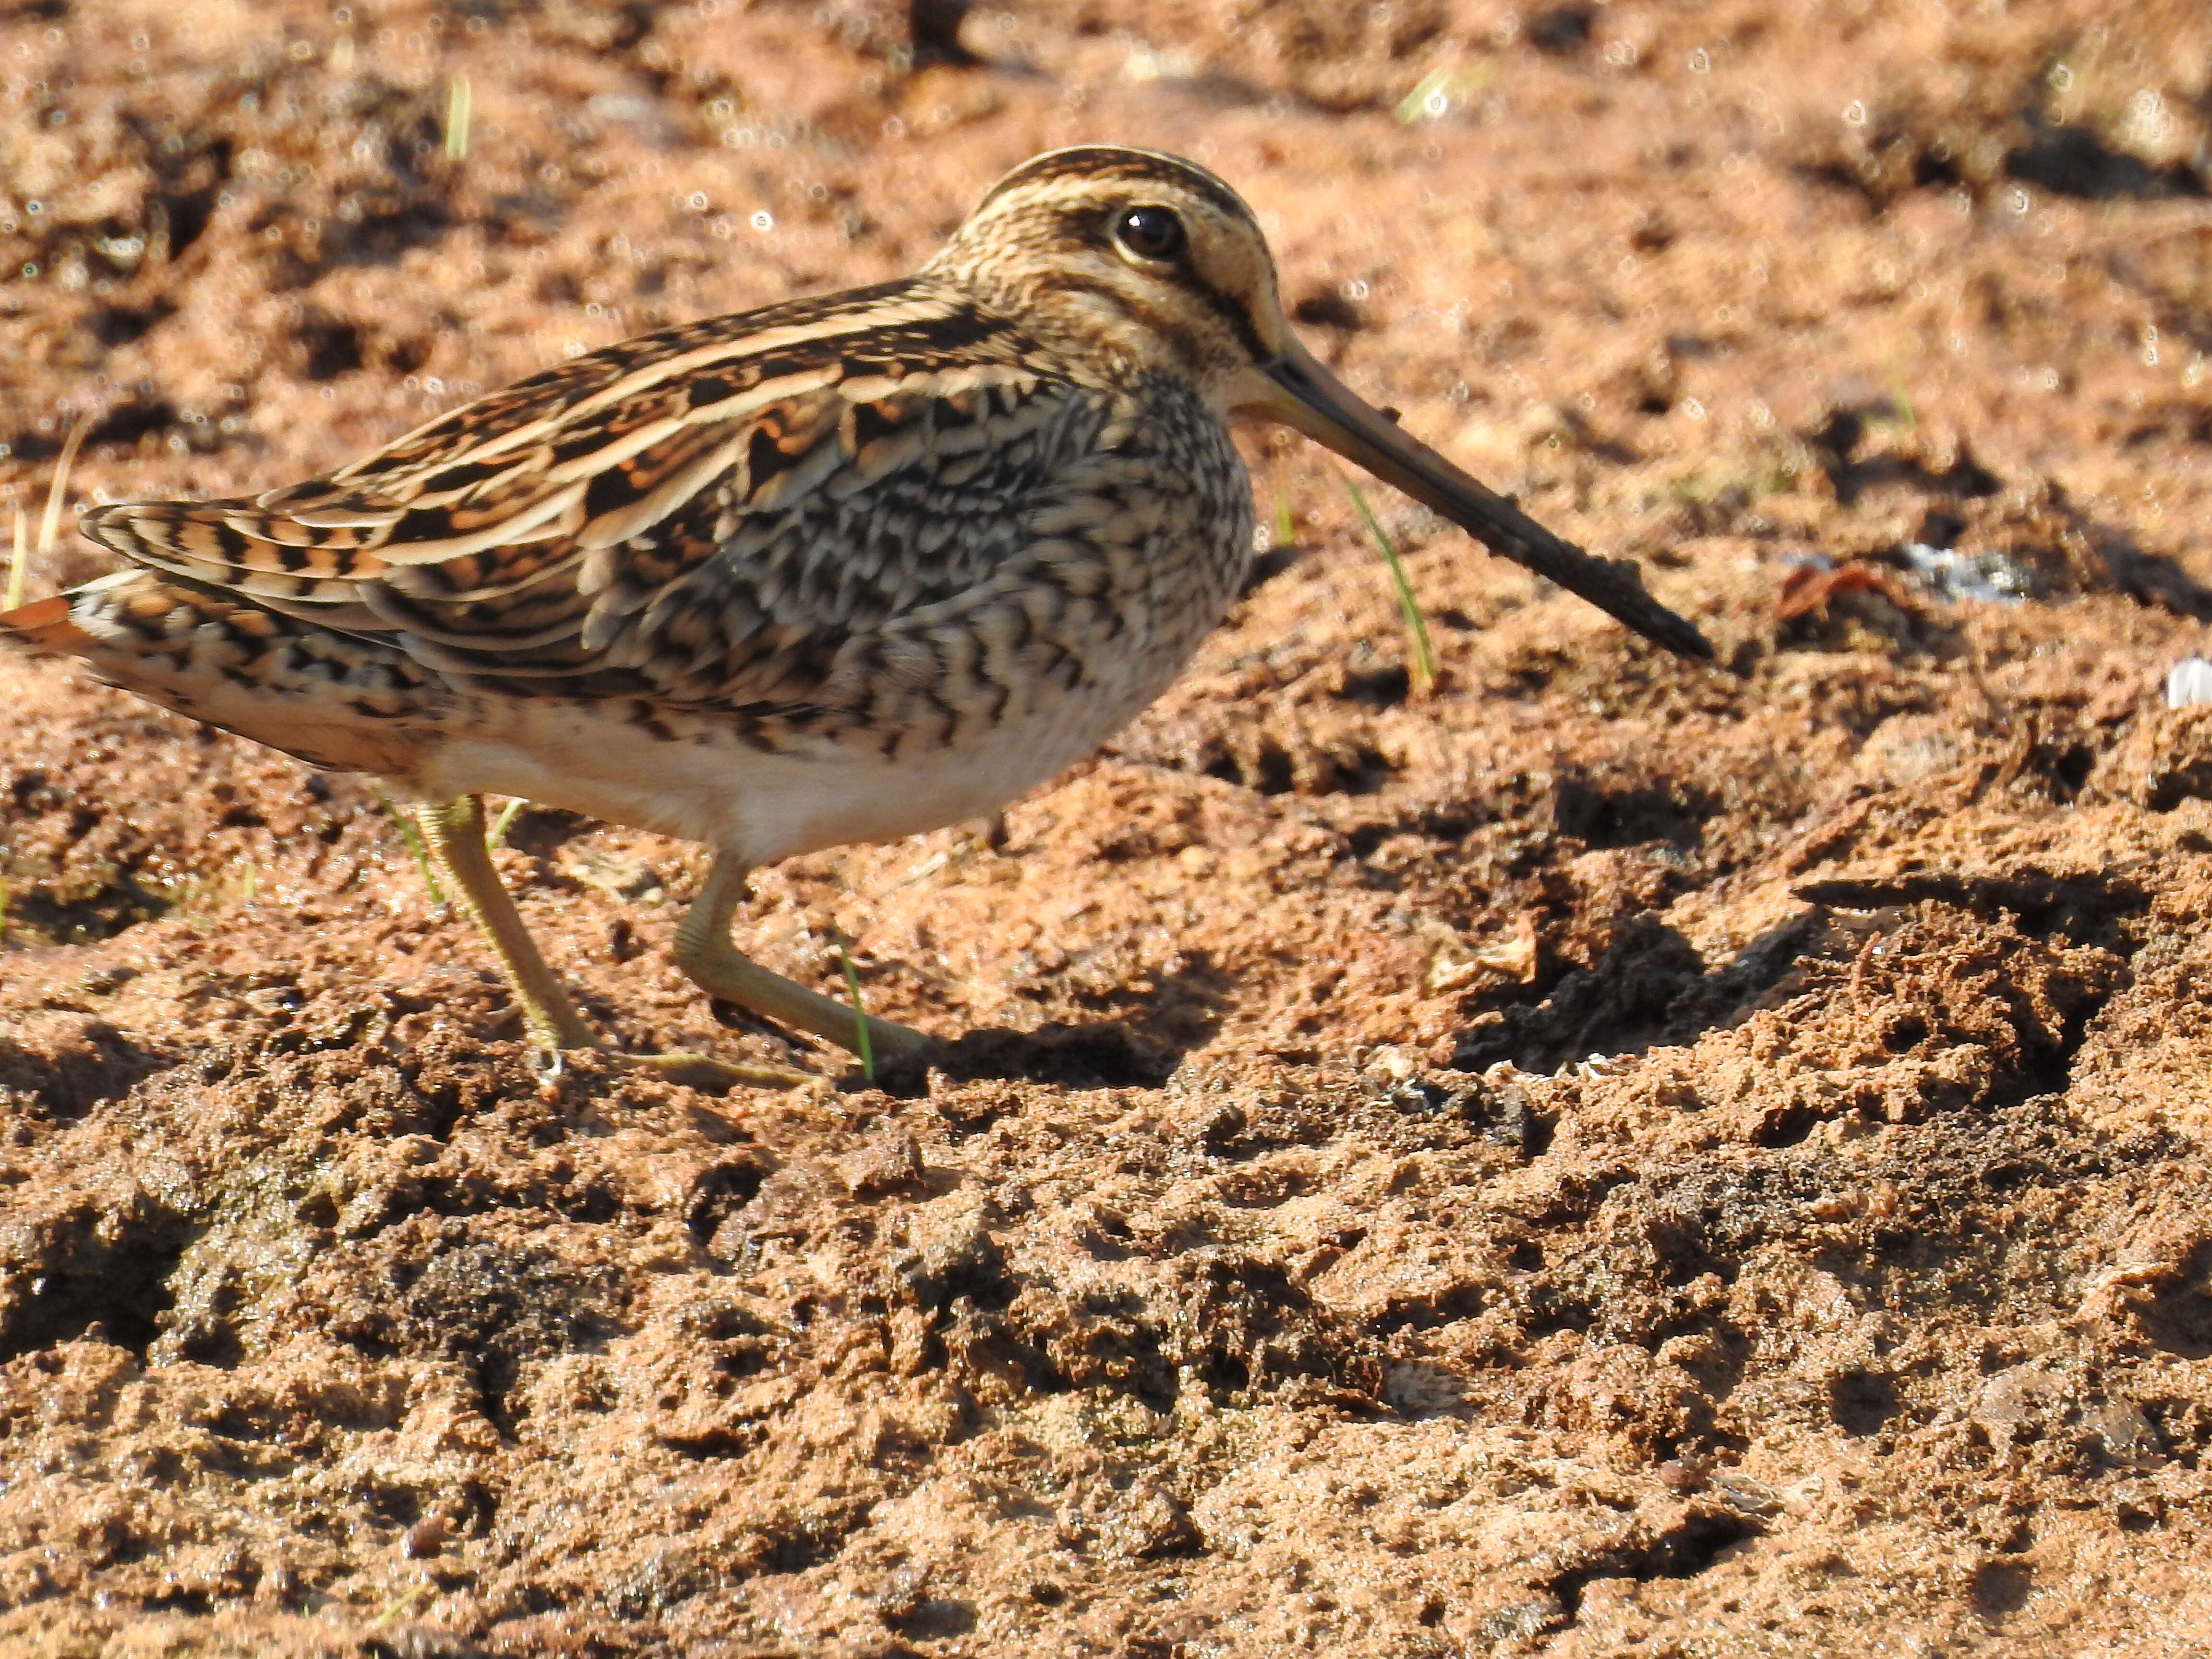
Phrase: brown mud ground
(1606, 1157)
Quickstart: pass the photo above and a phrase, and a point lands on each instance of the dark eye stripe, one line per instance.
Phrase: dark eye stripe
(1229, 310)
(1090, 227)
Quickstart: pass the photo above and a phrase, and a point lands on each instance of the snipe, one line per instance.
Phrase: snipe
(837, 570)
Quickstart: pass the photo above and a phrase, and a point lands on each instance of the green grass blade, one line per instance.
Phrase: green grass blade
(1899, 397)
(50, 522)
(460, 99)
(1430, 99)
(413, 837)
(497, 833)
(860, 1012)
(1423, 668)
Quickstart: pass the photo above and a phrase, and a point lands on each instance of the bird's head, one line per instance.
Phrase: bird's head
(1127, 257)
(1128, 261)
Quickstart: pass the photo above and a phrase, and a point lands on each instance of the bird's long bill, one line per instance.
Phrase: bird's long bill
(1308, 396)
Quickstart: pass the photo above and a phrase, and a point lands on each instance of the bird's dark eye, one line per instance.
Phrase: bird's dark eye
(1151, 232)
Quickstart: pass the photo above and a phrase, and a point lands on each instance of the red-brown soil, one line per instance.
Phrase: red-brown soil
(1605, 1158)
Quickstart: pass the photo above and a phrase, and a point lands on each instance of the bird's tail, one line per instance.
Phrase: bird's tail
(219, 658)
(44, 627)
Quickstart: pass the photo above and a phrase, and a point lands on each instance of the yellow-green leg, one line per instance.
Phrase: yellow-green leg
(453, 836)
(705, 954)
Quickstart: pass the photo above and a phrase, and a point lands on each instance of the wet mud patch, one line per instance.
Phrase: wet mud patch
(1648, 986)
(96, 1268)
(59, 1077)
(1076, 1056)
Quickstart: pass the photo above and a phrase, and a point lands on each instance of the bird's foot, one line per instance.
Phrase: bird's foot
(678, 1065)
(706, 1071)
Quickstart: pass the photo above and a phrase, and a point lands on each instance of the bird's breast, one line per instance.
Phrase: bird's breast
(940, 714)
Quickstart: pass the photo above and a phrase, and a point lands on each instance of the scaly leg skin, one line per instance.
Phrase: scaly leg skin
(453, 836)
(704, 952)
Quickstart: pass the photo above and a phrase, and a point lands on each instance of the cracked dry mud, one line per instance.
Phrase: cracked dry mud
(1606, 1157)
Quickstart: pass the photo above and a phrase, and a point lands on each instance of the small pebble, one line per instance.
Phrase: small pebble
(2189, 681)
(1994, 578)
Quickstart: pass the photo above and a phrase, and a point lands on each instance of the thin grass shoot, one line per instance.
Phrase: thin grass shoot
(497, 833)
(1422, 671)
(868, 1049)
(460, 101)
(1435, 93)
(413, 837)
(1900, 399)
(50, 522)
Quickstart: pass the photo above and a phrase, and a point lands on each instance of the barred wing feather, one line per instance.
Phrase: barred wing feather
(710, 514)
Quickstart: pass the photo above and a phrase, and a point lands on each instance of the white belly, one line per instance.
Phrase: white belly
(760, 806)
